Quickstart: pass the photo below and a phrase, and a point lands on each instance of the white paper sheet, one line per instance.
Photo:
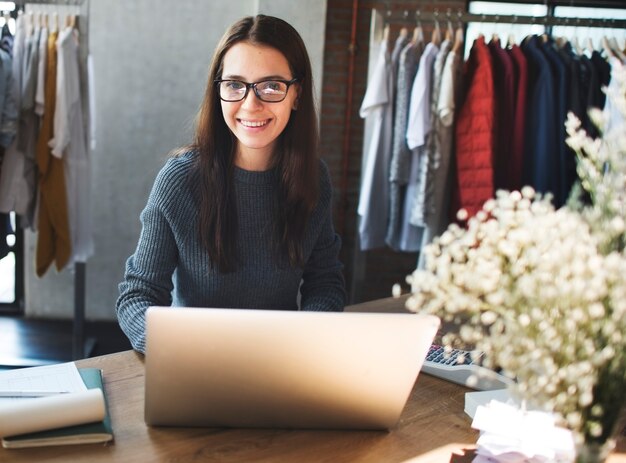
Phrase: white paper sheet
(74, 405)
(509, 434)
(62, 377)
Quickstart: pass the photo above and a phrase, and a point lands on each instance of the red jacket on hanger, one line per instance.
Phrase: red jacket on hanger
(475, 133)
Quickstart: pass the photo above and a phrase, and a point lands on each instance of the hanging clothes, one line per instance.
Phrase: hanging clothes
(401, 154)
(541, 158)
(8, 111)
(29, 126)
(422, 213)
(14, 191)
(54, 238)
(69, 144)
(475, 134)
(504, 87)
(418, 127)
(41, 72)
(560, 185)
(614, 117)
(376, 109)
(518, 133)
(447, 77)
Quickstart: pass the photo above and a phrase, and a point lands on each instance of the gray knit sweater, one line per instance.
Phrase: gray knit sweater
(170, 266)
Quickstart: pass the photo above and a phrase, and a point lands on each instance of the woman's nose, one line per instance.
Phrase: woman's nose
(251, 100)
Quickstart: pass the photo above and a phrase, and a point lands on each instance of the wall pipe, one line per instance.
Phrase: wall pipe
(352, 49)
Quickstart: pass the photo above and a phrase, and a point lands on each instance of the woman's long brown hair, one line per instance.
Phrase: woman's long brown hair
(296, 159)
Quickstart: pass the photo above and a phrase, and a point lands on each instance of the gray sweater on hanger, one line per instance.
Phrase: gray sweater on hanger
(170, 266)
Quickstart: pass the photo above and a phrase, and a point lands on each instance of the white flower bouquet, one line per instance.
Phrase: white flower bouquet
(542, 292)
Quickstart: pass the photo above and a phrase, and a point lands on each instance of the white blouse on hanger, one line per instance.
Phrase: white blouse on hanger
(69, 143)
(376, 108)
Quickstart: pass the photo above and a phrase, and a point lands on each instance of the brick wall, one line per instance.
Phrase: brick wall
(369, 275)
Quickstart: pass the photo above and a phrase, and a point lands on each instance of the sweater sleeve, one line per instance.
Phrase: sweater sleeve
(148, 276)
(323, 285)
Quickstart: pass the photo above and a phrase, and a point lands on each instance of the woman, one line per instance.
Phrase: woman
(242, 217)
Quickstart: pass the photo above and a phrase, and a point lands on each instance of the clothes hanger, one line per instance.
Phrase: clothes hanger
(418, 32)
(435, 38)
(458, 39)
(617, 50)
(386, 32)
(606, 47)
(450, 29)
(511, 40)
(589, 48)
(574, 40)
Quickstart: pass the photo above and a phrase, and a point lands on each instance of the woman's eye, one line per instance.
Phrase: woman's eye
(272, 87)
(234, 85)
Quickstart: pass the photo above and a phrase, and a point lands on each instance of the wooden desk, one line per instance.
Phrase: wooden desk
(433, 428)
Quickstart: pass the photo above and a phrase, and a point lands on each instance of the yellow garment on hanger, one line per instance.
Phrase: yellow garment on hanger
(53, 240)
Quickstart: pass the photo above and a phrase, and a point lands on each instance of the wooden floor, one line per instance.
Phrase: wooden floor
(30, 342)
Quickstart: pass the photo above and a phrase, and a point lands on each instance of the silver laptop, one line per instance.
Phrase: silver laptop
(281, 369)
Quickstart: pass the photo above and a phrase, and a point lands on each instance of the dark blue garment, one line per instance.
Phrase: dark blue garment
(574, 105)
(590, 94)
(561, 85)
(603, 69)
(541, 157)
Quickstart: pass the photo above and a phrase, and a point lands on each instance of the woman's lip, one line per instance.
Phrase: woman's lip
(254, 124)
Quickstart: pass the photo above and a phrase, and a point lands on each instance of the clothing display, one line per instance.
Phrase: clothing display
(45, 172)
(69, 144)
(418, 133)
(401, 154)
(54, 241)
(377, 110)
(262, 283)
(495, 121)
(475, 132)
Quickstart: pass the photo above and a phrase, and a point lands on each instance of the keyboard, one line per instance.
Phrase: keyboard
(450, 369)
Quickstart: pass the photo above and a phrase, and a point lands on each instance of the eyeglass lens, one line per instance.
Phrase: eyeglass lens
(269, 90)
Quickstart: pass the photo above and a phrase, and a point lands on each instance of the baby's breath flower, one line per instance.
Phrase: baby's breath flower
(541, 293)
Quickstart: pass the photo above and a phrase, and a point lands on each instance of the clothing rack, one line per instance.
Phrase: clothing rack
(382, 17)
(81, 347)
(464, 17)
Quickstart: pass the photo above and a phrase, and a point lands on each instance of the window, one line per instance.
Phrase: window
(592, 36)
(504, 31)
(11, 281)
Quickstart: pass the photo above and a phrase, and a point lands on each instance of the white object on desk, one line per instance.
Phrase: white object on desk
(481, 398)
(32, 415)
(508, 433)
(59, 378)
(29, 394)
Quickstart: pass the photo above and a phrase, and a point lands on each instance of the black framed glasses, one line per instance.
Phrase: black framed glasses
(270, 91)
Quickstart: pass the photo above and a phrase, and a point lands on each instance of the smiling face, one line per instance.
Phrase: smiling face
(256, 124)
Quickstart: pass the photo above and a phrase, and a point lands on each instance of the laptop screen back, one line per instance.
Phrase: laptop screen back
(281, 369)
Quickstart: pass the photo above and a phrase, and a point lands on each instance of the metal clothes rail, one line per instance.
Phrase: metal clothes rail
(464, 17)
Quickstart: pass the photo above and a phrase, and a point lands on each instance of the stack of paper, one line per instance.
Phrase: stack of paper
(52, 405)
(509, 434)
